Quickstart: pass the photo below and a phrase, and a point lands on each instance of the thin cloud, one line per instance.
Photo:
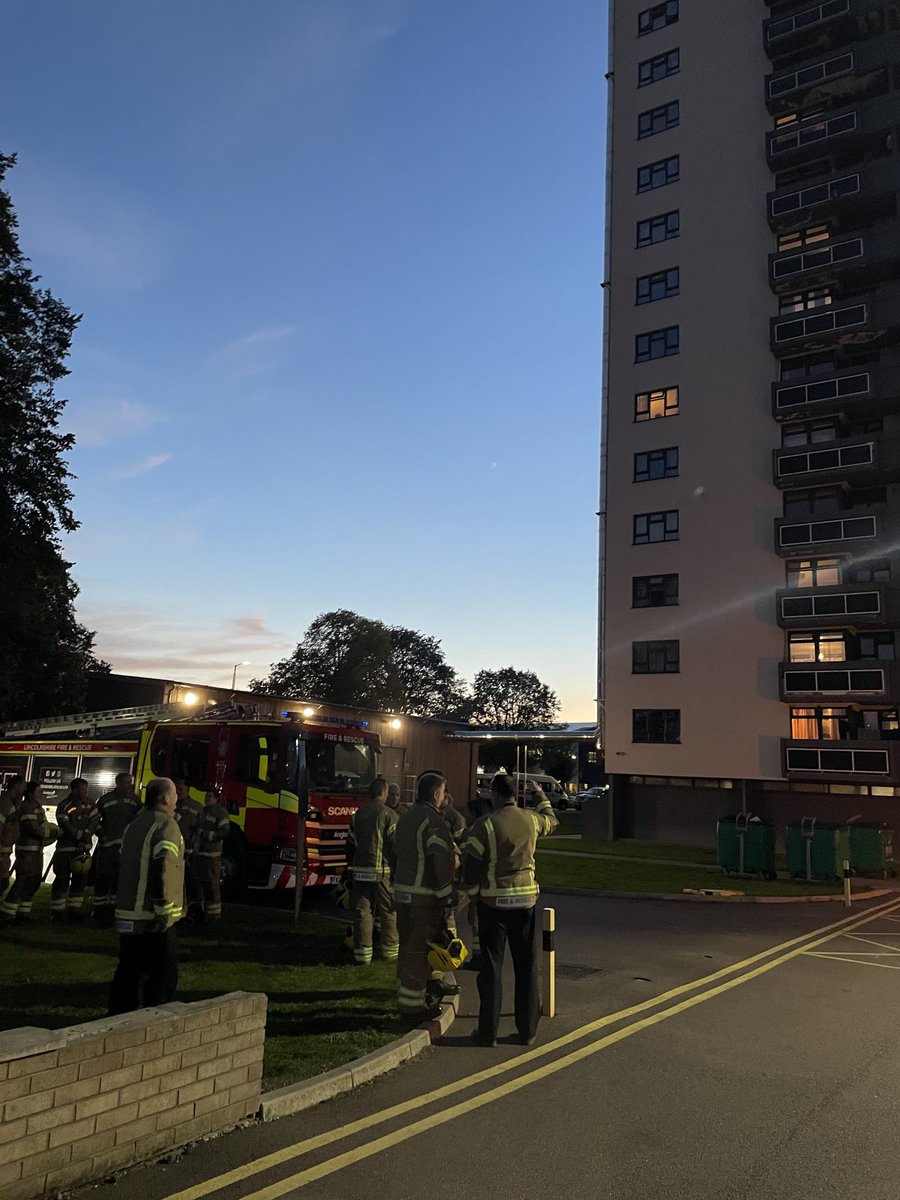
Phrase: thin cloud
(149, 464)
(104, 420)
(252, 353)
(143, 639)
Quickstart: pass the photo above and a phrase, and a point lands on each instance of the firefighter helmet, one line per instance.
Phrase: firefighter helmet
(81, 864)
(448, 953)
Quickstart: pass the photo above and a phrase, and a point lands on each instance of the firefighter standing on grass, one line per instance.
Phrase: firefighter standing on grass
(116, 810)
(212, 830)
(35, 832)
(423, 886)
(370, 848)
(9, 826)
(77, 820)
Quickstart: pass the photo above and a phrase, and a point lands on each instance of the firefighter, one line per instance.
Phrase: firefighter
(116, 810)
(498, 867)
(9, 826)
(148, 904)
(370, 847)
(423, 886)
(35, 832)
(188, 813)
(77, 821)
(212, 829)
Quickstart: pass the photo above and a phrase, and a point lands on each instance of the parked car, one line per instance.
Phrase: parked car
(591, 793)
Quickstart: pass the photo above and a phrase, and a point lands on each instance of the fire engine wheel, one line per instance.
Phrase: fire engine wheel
(234, 867)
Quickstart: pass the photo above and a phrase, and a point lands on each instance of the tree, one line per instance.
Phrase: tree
(348, 659)
(512, 699)
(45, 654)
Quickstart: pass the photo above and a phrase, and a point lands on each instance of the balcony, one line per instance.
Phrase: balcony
(856, 393)
(850, 606)
(846, 136)
(816, 28)
(832, 80)
(854, 762)
(847, 262)
(869, 458)
(871, 319)
(853, 682)
(846, 199)
(826, 536)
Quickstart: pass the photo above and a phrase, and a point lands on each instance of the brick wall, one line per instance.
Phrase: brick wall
(80, 1103)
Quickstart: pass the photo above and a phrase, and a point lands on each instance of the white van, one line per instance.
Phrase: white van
(552, 788)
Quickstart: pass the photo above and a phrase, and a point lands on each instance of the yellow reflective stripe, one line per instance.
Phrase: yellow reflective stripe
(420, 856)
(529, 889)
(143, 875)
(492, 854)
(473, 846)
(164, 847)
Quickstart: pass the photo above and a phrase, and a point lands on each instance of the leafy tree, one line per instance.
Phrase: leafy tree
(513, 699)
(348, 659)
(45, 655)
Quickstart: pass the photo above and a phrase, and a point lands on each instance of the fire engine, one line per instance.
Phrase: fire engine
(289, 786)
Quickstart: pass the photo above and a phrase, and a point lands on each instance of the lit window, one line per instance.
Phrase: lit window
(805, 301)
(803, 237)
(661, 403)
(813, 572)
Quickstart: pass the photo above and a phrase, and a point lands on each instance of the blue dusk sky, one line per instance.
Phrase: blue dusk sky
(339, 263)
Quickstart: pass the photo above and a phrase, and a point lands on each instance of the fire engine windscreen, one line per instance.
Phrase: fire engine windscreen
(341, 766)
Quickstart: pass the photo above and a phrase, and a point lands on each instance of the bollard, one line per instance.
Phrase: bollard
(846, 883)
(549, 962)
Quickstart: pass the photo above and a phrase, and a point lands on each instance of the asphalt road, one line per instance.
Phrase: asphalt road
(700, 1051)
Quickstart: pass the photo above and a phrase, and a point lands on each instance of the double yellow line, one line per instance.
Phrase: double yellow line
(707, 988)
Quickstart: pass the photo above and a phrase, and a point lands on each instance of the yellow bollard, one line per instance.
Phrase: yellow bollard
(549, 962)
(846, 883)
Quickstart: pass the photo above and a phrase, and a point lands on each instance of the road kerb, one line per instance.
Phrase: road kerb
(859, 897)
(296, 1097)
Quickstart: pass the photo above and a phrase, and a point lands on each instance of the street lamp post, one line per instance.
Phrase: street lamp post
(244, 663)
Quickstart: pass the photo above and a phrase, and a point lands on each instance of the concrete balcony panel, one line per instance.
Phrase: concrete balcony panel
(832, 79)
(851, 606)
(853, 682)
(868, 458)
(848, 199)
(868, 391)
(845, 263)
(853, 761)
(827, 536)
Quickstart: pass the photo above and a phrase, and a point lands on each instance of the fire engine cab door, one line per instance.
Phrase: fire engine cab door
(393, 760)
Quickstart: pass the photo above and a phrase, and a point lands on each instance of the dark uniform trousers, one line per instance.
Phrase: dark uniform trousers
(68, 885)
(496, 926)
(5, 869)
(368, 899)
(147, 973)
(419, 923)
(106, 881)
(29, 864)
(207, 870)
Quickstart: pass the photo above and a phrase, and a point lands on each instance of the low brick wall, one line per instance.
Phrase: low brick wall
(80, 1103)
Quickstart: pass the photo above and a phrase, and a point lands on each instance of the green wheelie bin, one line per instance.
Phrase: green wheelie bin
(871, 848)
(816, 849)
(746, 846)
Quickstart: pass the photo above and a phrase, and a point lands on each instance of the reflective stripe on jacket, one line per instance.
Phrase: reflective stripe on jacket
(151, 875)
(77, 827)
(498, 854)
(370, 841)
(116, 813)
(423, 853)
(35, 831)
(212, 831)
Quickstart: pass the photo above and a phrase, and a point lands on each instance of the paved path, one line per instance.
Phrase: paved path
(701, 1053)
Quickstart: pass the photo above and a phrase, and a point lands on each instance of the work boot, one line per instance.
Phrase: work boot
(414, 1020)
(481, 1039)
(438, 990)
(525, 1039)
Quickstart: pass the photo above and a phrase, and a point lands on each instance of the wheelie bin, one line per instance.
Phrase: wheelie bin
(871, 848)
(816, 849)
(746, 846)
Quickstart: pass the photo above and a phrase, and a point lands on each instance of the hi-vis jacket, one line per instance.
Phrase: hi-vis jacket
(212, 830)
(498, 854)
(77, 827)
(35, 831)
(116, 814)
(151, 876)
(370, 842)
(424, 856)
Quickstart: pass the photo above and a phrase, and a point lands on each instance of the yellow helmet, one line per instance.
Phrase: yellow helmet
(449, 954)
(81, 864)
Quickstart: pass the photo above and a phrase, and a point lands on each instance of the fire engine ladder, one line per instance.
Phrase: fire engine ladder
(92, 722)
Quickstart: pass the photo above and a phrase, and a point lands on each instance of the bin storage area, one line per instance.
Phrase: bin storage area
(746, 846)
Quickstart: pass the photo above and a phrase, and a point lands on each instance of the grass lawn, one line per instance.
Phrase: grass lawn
(647, 850)
(323, 1010)
(558, 870)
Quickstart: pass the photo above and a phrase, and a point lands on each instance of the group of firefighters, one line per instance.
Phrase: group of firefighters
(25, 831)
(412, 868)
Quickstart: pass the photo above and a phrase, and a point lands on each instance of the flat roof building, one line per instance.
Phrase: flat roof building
(750, 491)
